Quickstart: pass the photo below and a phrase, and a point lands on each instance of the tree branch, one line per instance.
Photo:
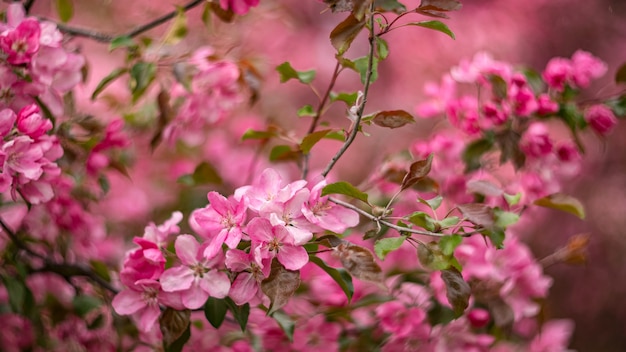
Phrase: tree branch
(107, 38)
(366, 86)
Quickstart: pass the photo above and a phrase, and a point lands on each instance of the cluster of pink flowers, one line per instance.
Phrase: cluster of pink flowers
(286, 216)
(239, 7)
(213, 92)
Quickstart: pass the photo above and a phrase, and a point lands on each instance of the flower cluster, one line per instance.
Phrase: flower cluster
(286, 216)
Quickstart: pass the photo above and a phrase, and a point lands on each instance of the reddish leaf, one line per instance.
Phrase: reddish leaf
(280, 285)
(417, 171)
(393, 118)
(173, 324)
(479, 214)
(359, 262)
(342, 36)
(440, 5)
(457, 290)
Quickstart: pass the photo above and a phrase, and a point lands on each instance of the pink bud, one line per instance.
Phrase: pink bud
(601, 119)
(478, 317)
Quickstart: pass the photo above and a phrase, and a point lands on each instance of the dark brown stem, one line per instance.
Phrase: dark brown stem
(28, 4)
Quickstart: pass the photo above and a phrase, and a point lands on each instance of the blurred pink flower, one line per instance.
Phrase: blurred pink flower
(276, 241)
(601, 119)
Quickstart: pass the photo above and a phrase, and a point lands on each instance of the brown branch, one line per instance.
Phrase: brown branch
(107, 38)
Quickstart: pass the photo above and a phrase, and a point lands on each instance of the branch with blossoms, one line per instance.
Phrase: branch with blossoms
(283, 260)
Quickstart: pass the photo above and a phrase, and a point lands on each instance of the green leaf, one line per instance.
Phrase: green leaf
(310, 140)
(205, 173)
(100, 269)
(498, 86)
(384, 246)
(620, 75)
(496, 236)
(342, 36)
(344, 188)
(435, 25)
(562, 202)
(104, 184)
(449, 243)
(306, 110)
(84, 304)
(441, 5)
(389, 5)
(65, 9)
(215, 311)
(432, 203)
(122, 42)
(240, 313)
(287, 72)
(341, 276)
(505, 219)
(447, 222)
(512, 199)
(382, 48)
(422, 220)
(117, 73)
(141, 76)
(509, 143)
(178, 28)
(286, 323)
(252, 134)
(474, 152)
(281, 153)
(361, 67)
(348, 98)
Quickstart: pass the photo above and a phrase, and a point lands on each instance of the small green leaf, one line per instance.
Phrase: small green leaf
(215, 311)
(348, 98)
(496, 236)
(562, 202)
(65, 8)
(205, 173)
(498, 86)
(474, 152)
(104, 183)
(389, 6)
(281, 153)
(240, 313)
(505, 219)
(432, 203)
(286, 323)
(122, 42)
(310, 140)
(342, 36)
(341, 276)
(361, 67)
(422, 220)
(84, 304)
(447, 222)
(118, 72)
(287, 72)
(384, 246)
(382, 48)
(178, 28)
(306, 110)
(512, 199)
(252, 134)
(344, 188)
(435, 25)
(620, 75)
(141, 76)
(100, 269)
(449, 243)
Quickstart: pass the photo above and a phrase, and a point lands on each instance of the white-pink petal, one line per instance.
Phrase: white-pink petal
(177, 278)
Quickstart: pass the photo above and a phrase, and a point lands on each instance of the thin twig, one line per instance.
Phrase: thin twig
(18, 242)
(107, 38)
(359, 115)
(28, 4)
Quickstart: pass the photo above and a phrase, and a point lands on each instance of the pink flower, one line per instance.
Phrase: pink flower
(441, 95)
(31, 123)
(239, 7)
(601, 118)
(557, 73)
(321, 212)
(554, 336)
(546, 106)
(536, 141)
(197, 278)
(22, 156)
(7, 120)
(22, 42)
(142, 300)
(276, 241)
(315, 334)
(402, 321)
(289, 215)
(251, 271)
(146, 262)
(220, 222)
(586, 67)
(268, 189)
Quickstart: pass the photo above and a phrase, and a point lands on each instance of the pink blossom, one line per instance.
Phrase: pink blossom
(289, 215)
(327, 215)
(22, 42)
(239, 7)
(554, 336)
(276, 241)
(557, 72)
(586, 67)
(522, 96)
(478, 317)
(536, 142)
(441, 95)
(142, 300)
(601, 119)
(220, 222)
(251, 271)
(31, 123)
(402, 321)
(315, 334)
(7, 120)
(197, 277)
(546, 105)
(146, 262)
(268, 189)
(22, 156)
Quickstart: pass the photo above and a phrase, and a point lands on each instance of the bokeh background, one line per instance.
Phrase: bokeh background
(522, 32)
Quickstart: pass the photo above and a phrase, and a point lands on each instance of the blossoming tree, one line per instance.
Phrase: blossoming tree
(261, 243)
